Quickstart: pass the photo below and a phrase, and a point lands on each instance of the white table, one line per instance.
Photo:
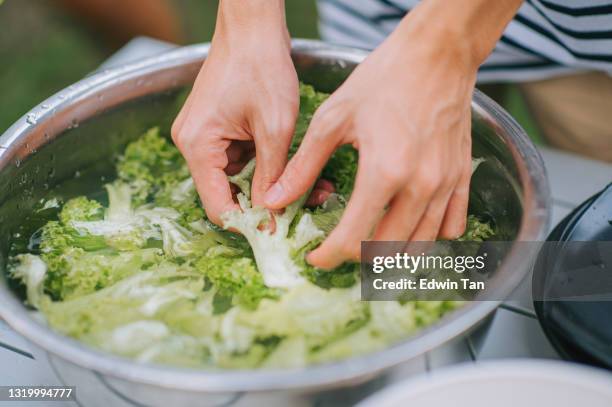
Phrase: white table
(514, 333)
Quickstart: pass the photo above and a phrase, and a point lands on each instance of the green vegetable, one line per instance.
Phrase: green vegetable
(476, 230)
(272, 249)
(148, 277)
(150, 165)
(235, 278)
(342, 165)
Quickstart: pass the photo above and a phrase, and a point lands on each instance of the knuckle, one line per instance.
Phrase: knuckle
(296, 173)
(182, 138)
(189, 132)
(462, 190)
(324, 111)
(317, 135)
(327, 122)
(286, 182)
(427, 184)
(175, 133)
(429, 181)
(462, 187)
(289, 188)
(392, 173)
(278, 127)
(278, 130)
(286, 126)
(449, 181)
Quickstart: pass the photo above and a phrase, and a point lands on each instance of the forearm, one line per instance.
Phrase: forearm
(468, 29)
(251, 20)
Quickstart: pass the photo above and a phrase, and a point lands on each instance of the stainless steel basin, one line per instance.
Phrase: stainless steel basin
(78, 131)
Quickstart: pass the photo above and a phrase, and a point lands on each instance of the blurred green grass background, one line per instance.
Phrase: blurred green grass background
(43, 50)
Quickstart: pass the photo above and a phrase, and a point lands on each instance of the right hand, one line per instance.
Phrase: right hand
(245, 95)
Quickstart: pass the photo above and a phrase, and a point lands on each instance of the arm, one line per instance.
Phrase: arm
(245, 100)
(407, 109)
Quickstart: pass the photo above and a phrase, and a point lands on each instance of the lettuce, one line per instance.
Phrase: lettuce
(145, 275)
(268, 235)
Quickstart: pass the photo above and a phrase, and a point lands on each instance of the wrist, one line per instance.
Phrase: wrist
(465, 32)
(252, 22)
(438, 45)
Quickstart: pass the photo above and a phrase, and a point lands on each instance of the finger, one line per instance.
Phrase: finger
(179, 121)
(455, 218)
(403, 216)
(207, 164)
(271, 153)
(429, 224)
(304, 168)
(366, 206)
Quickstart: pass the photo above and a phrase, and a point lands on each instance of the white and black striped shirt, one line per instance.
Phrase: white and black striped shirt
(546, 38)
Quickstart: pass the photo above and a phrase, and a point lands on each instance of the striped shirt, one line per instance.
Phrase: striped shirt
(546, 38)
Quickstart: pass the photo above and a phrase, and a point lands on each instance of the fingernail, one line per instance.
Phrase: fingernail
(274, 194)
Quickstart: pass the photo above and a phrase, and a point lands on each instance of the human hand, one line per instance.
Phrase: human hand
(406, 108)
(244, 102)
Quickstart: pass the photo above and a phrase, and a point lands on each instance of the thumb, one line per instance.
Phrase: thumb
(303, 169)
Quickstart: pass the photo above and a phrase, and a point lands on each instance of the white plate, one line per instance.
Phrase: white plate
(516, 383)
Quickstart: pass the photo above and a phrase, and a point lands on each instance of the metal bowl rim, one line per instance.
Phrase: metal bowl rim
(533, 227)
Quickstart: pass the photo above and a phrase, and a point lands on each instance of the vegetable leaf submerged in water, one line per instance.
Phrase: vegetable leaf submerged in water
(148, 277)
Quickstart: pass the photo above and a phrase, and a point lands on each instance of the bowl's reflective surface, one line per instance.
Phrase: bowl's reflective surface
(67, 145)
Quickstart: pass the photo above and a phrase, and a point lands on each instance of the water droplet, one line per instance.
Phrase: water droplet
(44, 106)
(31, 118)
(77, 174)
